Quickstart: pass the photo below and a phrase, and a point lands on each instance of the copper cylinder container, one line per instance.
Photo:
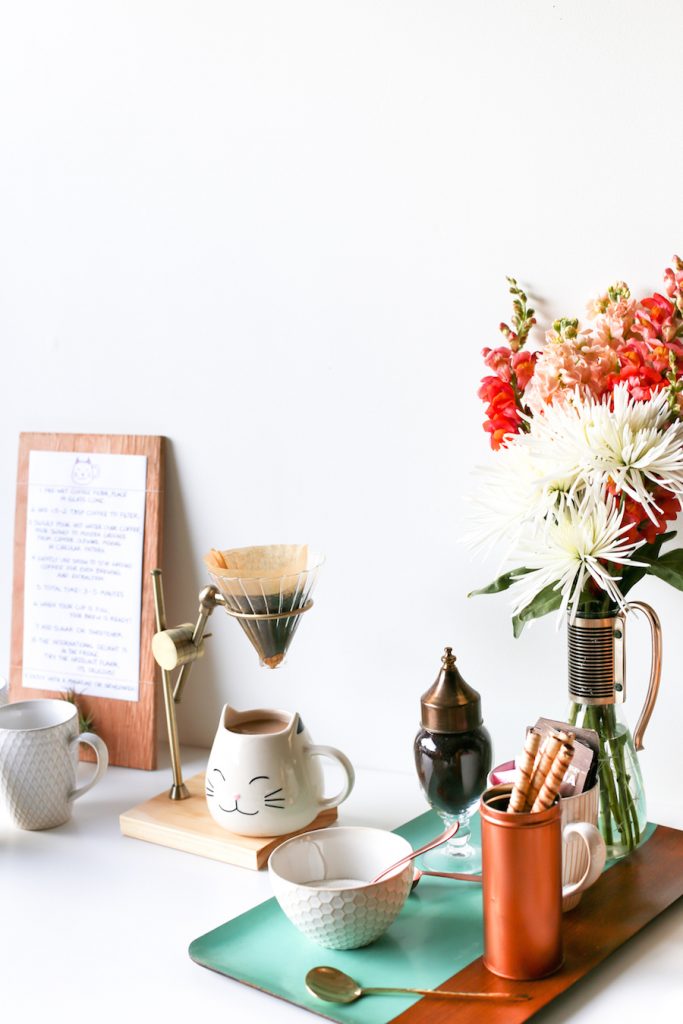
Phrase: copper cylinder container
(522, 888)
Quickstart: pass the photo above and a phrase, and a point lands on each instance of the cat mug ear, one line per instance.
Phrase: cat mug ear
(296, 726)
(228, 716)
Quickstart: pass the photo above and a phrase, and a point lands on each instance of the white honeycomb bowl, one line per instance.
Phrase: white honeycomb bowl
(322, 882)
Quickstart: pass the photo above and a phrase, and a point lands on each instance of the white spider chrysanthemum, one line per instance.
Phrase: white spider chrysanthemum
(632, 443)
(635, 443)
(567, 551)
(518, 490)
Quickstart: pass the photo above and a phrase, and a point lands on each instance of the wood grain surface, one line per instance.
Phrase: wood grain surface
(127, 727)
(187, 825)
(617, 907)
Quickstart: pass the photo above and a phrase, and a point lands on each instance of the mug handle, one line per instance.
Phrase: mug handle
(102, 755)
(334, 755)
(597, 855)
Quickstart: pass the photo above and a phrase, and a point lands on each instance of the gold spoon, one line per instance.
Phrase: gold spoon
(337, 987)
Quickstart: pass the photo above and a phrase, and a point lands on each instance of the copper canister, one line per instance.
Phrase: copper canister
(522, 888)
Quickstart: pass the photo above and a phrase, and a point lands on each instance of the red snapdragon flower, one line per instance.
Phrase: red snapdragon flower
(642, 382)
(654, 318)
(504, 363)
(641, 525)
(645, 366)
(659, 357)
(659, 306)
(523, 364)
(501, 429)
(503, 416)
(633, 353)
(499, 396)
(513, 371)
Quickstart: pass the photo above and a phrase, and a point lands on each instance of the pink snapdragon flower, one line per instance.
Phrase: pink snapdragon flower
(614, 324)
(498, 360)
(584, 364)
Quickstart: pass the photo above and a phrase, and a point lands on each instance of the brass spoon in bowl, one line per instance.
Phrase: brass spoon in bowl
(337, 987)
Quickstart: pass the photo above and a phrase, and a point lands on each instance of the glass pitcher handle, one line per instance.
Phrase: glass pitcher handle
(655, 668)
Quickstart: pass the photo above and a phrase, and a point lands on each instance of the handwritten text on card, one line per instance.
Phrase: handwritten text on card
(84, 536)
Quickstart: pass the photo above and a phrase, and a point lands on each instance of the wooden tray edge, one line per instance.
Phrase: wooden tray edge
(645, 884)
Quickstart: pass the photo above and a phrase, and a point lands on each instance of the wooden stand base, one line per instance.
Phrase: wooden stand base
(187, 825)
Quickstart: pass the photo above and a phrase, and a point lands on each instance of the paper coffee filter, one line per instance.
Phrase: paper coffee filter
(272, 580)
(264, 562)
(261, 570)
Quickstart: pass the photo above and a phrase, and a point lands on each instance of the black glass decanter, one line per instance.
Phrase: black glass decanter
(453, 757)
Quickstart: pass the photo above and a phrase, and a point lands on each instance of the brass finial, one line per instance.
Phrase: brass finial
(450, 704)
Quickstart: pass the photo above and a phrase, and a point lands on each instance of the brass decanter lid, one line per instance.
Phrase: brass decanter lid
(450, 705)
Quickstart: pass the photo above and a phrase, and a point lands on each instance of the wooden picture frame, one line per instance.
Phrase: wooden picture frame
(128, 727)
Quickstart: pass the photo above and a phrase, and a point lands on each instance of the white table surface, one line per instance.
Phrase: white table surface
(95, 926)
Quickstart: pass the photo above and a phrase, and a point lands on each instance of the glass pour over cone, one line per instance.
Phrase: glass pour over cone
(267, 589)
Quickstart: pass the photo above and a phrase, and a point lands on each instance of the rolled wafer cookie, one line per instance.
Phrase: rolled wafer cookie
(525, 767)
(551, 786)
(547, 754)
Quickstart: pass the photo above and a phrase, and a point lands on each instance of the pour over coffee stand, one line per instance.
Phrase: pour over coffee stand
(269, 610)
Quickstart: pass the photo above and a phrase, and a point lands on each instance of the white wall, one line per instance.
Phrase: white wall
(277, 232)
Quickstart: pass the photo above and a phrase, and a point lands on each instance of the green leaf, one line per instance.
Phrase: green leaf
(648, 553)
(669, 567)
(548, 600)
(654, 548)
(503, 582)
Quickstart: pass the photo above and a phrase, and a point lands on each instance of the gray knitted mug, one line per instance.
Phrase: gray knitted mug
(38, 757)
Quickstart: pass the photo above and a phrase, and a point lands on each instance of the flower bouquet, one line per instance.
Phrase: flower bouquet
(588, 431)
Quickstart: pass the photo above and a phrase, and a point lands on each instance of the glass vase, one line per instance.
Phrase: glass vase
(597, 691)
(623, 812)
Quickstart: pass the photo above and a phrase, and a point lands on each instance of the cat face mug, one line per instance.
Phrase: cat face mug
(264, 776)
(38, 757)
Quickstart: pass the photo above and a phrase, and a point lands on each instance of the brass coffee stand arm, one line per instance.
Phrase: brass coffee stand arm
(180, 646)
(175, 648)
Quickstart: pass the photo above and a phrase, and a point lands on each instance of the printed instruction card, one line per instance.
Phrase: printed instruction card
(85, 523)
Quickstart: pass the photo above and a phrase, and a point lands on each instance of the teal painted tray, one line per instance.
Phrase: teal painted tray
(438, 932)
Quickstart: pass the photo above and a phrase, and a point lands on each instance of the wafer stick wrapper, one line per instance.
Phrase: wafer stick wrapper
(551, 786)
(544, 761)
(525, 768)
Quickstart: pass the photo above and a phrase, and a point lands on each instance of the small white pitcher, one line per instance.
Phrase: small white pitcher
(264, 778)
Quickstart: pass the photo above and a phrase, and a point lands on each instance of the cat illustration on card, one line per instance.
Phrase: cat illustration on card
(264, 776)
(83, 471)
